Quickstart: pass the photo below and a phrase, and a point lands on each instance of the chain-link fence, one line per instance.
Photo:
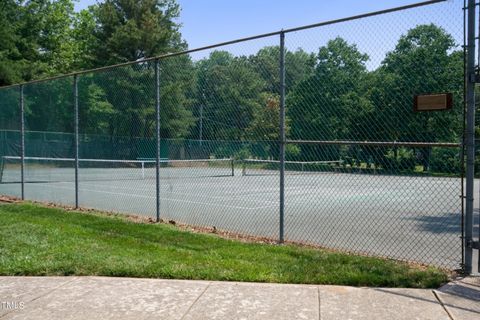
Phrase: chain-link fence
(305, 135)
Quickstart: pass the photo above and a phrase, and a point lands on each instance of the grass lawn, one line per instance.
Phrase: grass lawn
(36, 240)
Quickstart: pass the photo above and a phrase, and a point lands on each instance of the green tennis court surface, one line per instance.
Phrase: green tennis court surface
(349, 211)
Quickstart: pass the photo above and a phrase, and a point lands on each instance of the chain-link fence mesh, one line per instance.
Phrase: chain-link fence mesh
(363, 172)
(10, 143)
(49, 156)
(117, 139)
(230, 112)
(476, 217)
(397, 201)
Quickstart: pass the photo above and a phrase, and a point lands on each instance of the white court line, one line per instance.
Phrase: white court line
(300, 195)
(153, 197)
(195, 189)
(182, 193)
(228, 195)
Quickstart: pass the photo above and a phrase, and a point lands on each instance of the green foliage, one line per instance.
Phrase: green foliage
(424, 61)
(292, 151)
(11, 60)
(399, 159)
(330, 104)
(298, 65)
(45, 107)
(331, 95)
(243, 153)
(35, 39)
(9, 115)
(230, 90)
(264, 125)
(46, 37)
(445, 160)
(177, 83)
(84, 40)
(121, 102)
(99, 110)
(331, 110)
(132, 30)
(35, 240)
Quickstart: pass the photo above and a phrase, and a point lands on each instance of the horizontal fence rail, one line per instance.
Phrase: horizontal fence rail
(246, 39)
(304, 135)
(378, 143)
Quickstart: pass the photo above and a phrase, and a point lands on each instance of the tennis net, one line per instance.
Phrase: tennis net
(39, 169)
(259, 167)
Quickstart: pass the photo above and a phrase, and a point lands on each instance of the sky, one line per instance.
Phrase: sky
(206, 22)
(211, 21)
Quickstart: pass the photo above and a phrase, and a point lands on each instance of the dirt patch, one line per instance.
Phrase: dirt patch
(7, 199)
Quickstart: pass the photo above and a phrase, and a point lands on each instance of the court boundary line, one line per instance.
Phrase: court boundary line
(153, 197)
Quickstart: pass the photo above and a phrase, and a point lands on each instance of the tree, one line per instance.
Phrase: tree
(48, 106)
(177, 101)
(123, 31)
(10, 56)
(10, 111)
(36, 39)
(229, 90)
(329, 104)
(46, 37)
(130, 30)
(120, 102)
(56, 48)
(265, 127)
(84, 40)
(423, 61)
(239, 97)
(298, 66)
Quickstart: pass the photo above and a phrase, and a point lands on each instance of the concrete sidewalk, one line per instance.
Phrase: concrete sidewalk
(126, 298)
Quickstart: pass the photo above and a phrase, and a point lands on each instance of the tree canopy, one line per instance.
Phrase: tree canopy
(128, 30)
(226, 98)
(41, 38)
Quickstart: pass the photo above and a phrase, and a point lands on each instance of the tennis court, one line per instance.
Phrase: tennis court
(348, 211)
(367, 169)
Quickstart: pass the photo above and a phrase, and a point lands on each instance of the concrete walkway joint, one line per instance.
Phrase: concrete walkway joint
(126, 298)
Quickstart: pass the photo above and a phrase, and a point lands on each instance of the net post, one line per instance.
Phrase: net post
(470, 135)
(75, 107)
(282, 137)
(22, 142)
(157, 139)
(232, 162)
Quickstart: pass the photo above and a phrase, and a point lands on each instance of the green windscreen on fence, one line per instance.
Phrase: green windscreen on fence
(10, 140)
(307, 135)
(117, 132)
(49, 128)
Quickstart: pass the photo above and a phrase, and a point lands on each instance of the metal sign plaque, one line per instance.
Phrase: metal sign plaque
(433, 102)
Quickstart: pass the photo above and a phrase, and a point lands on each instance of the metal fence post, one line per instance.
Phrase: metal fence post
(282, 137)
(470, 136)
(200, 134)
(22, 142)
(475, 141)
(157, 140)
(75, 106)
